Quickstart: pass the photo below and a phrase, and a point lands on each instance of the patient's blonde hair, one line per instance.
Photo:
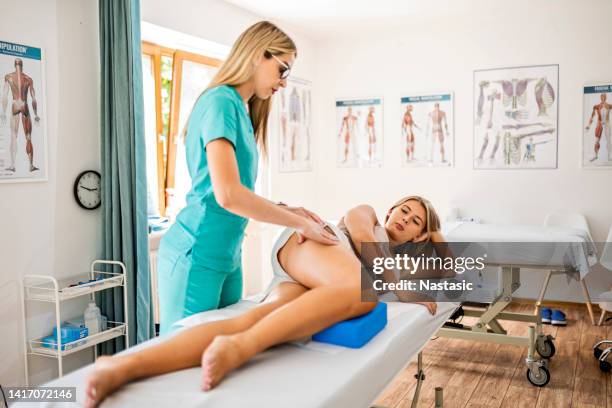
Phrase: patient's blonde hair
(261, 39)
(432, 223)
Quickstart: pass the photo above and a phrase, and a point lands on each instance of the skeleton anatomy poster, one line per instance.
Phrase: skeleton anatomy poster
(596, 139)
(359, 132)
(23, 150)
(515, 123)
(295, 120)
(427, 130)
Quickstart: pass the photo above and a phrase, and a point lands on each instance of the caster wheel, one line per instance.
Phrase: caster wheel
(605, 366)
(547, 349)
(540, 377)
(597, 352)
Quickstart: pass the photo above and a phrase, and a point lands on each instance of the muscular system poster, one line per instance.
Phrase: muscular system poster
(359, 127)
(293, 105)
(597, 136)
(23, 141)
(515, 117)
(427, 130)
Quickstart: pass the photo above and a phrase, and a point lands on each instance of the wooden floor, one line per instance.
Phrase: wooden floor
(492, 375)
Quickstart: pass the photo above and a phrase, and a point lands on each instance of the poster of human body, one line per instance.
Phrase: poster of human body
(360, 132)
(23, 150)
(295, 121)
(427, 130)
(597, 138)
(515, 122)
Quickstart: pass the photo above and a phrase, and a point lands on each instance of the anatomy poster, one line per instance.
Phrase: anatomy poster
(596, 139)
(515, 117)
(427, 130)
(359, 134)
(23, 150)
(295, 121)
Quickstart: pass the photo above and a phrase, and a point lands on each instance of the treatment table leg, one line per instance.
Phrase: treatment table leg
(587, 297)
(420, 376)
(542, 293)
(439, 398)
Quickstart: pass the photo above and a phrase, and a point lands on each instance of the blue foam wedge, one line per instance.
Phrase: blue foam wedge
(356, 332)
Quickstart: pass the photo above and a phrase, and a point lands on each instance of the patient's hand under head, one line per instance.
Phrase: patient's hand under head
(411, 219)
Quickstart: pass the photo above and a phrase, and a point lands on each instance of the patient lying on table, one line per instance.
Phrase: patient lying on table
(314, 287)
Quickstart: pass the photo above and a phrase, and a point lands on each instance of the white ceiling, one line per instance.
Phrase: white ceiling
(322, 19)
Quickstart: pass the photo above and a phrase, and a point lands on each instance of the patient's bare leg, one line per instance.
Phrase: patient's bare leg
(332, 273)
(180, 351)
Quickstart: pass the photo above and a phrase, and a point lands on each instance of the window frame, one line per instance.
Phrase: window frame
(175, 104)
(166, 173)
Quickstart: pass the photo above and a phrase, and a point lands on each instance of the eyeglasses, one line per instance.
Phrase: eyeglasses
(285, 73)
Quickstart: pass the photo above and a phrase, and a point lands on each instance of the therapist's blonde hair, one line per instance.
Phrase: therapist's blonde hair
(432, 223)
(261, 39)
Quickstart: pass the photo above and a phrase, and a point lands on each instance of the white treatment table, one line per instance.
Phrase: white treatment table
(307, 374)
(512, 248)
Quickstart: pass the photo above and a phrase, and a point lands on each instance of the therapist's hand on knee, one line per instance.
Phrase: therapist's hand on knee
(315, 231)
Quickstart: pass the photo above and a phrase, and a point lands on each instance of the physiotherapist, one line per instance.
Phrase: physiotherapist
(199, 258)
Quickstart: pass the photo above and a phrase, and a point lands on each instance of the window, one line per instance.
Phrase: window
(172, 81)
(192, 73)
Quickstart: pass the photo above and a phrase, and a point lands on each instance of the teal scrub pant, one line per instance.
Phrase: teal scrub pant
(186, 288)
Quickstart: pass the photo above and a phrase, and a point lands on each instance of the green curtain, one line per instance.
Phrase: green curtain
(124, 184)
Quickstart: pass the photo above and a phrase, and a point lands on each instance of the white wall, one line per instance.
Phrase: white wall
(43, 229)
(441, 53)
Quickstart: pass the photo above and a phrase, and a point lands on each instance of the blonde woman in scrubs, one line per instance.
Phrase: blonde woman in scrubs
(199, 265)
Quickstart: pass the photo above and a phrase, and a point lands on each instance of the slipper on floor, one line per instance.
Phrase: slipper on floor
(558, 318)
(545, 314)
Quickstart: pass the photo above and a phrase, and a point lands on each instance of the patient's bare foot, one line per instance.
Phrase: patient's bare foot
(108, 374)
(224, 354)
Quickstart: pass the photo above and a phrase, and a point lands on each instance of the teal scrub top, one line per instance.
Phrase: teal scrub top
(212, 234)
